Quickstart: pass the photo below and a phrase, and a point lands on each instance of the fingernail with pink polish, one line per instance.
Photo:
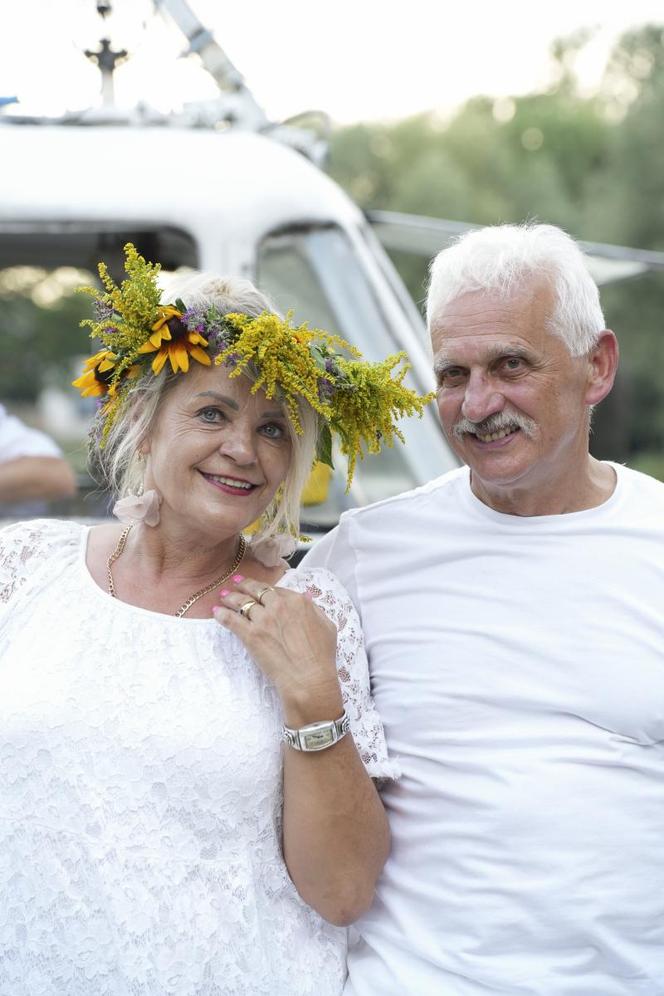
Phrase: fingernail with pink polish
(309, 595)
(237, 578)
(224, 592)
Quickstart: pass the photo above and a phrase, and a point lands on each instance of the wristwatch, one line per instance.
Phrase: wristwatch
(317, 736)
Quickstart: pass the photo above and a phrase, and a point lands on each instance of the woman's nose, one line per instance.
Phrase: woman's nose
(238, 444)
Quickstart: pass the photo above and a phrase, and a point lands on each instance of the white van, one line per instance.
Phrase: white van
(229, 202)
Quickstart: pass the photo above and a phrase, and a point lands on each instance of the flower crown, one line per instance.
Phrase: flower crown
(357, 400)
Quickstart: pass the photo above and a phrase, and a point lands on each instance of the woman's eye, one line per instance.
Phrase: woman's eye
(273, 431)
(513, 363)
(211, 414)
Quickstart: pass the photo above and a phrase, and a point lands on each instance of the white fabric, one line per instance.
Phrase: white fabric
(140, 792)
(18, 440)
(518, 667)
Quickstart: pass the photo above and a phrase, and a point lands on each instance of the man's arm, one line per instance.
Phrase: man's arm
(31, 477)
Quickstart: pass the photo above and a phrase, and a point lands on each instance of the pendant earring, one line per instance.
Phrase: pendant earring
(143, 507)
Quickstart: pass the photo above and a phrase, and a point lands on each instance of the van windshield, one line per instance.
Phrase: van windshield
(316, 273)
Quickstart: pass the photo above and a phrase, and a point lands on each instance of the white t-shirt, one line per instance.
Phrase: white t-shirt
(518, 667)
(141, 795)
(19, 440)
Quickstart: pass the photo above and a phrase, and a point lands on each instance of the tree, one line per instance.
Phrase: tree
(39, 316)
(593, 165)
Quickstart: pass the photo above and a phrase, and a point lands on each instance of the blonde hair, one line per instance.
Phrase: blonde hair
(119, 465)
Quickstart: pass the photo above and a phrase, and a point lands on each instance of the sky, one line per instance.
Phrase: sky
(354, 59)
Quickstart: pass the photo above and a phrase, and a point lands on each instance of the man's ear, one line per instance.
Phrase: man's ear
(602, 367)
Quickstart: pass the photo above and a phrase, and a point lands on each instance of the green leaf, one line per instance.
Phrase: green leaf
(324, 447)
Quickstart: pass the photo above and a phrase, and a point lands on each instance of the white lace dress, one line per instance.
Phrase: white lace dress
(140, 792)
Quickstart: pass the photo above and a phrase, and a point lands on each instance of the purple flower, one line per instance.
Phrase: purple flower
(232, 361)
(194, 319)
(325, 389)
(217, 342)
(103, 311)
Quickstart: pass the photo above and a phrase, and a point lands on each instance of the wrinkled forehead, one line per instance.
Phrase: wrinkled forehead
(523, 313)
(216, 381)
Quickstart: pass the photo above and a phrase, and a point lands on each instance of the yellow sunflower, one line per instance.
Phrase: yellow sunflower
(172, 340)
(96, 376)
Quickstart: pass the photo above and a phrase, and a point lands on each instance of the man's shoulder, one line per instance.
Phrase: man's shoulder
(640, 486)
(447, 485)
(381, 528)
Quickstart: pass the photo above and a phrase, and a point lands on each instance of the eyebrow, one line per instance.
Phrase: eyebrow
(493, 353)
(225, 400)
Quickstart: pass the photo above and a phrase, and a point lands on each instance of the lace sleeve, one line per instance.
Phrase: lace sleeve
(24, 547)
(353, 670)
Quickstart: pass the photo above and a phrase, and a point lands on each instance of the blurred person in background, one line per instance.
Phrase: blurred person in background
(186, 727)
(513, 611)
(32, 467)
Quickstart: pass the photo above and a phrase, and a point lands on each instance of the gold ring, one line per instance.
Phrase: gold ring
(259, 596)
(245, 609)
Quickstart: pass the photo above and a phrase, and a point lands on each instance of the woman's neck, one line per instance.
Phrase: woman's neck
(178, 552)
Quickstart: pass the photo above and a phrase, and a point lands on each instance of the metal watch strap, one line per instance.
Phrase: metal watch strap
(317, 736)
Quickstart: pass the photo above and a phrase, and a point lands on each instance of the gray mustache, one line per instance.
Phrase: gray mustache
(494, 423)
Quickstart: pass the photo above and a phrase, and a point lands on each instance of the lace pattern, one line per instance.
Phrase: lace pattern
(140, 792)
(25, 546)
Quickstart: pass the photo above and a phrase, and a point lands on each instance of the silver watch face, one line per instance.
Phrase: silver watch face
(318, 739)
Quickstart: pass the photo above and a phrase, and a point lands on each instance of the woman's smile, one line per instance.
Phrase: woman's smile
(230, 485)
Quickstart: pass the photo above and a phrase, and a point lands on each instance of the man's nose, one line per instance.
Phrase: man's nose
(481, 398)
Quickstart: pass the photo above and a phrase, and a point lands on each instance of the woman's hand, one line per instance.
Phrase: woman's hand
(292, 641)
(335, 834)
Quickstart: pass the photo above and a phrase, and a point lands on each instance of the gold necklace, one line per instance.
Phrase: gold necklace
(241, 550)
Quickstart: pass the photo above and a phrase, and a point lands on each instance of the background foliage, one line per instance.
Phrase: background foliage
(593, 165)
(40, 315)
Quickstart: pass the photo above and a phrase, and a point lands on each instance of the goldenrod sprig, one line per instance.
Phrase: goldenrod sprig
(367, 407)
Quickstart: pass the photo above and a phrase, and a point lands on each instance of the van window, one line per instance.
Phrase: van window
(82, 244)
(315, 272)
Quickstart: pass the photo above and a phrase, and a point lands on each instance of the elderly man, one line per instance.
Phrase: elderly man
(31, 465)
(514, 619)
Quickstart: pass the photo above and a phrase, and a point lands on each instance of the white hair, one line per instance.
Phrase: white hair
(119, 464)
(504, 259)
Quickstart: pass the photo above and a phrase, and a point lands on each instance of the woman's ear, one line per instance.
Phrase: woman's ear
(602, 367)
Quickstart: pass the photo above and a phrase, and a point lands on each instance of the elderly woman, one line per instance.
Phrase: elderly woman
(155, 835)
